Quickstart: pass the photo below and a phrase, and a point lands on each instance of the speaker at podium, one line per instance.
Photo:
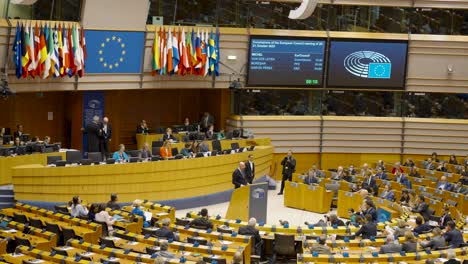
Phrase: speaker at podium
(249, 201)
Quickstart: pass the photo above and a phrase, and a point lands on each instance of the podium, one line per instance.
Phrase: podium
(249, 201)
(311, 198)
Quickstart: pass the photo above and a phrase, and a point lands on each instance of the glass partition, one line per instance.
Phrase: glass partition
(59, 10)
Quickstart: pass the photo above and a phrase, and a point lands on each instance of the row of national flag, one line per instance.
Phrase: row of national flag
(49, 51)
(180, 52)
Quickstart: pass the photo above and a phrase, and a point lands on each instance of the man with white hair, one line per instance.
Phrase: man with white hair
(452, 257)
(92, 132)
(238, 176)
(164, 231)
(250, 230)
(105, 130)
(390, 246)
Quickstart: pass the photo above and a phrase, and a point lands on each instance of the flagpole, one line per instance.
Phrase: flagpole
(213, 75)
(175, 12)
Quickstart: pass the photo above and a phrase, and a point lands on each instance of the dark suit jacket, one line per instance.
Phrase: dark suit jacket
(238, 179)
(92, 136)
(452, 261)
(107, 135)
(444, 219)
(422, 229)
(372, 212)
(141, 130)
(310, 180)
(251, 231)
(206, 122)
(461, 190)
(17, 135)
(166, 137)
(249, 172)
(454, 238)
(410, 246)
(289, 167)
(367, 230)
(382, 176)
(423, 209)
(164, 232)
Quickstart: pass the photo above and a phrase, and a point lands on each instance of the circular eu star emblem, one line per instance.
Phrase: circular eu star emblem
(112, 52)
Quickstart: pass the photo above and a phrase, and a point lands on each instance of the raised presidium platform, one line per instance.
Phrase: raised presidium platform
(155, 181)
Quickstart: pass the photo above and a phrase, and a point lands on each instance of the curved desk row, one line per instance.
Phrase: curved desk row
(155, 181)
(7, 163)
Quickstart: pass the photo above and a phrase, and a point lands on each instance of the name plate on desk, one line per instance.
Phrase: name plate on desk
(447, 174)
(380, 200)
(294, 184)
(432, 201)
(312, 187)
(417, 180)
(422, 188)
(439, 191)
(454, 195)
(349, 194)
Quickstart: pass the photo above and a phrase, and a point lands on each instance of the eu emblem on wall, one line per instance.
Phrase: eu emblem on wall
(114, 51)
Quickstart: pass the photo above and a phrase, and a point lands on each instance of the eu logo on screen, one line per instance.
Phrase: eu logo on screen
(380, 70)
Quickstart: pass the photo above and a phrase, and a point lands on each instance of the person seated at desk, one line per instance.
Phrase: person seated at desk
(120, 155)
(351, 170)
(202, 221)
(404, 199)
(453, 236)
(452, 257)
(381, 174)
(163, 251)
(388, 193)
(442, 167)
(436, 242)
(187, 150)
(347, 176)
(16, 147)
(338, 176)
(19, 131)
(380, 164)
(421, 228)
(410, 244)
(408, 163)
(369, 183)
(397, 167)
(202, 147)
(390, 246)
(320, 247)
(414, 172)
(335, 221)
(168, 135)
(220, 135)
(209, 133)
(453, 160)
(78, 210)
(104, 217)
(434, 157)
(186, 124)
(165, 151)
(46, 140)
(236, 259)
(317, 173)
(137, 211)
(112, 204)
(402, 228)
(93, 209)
(422, 208)
(429, 165)
(250, 230)
(368, 229)
(143, 128)
(445, 218)
(310, 178)
(145, 152)
(402, 179)
(443, 184)
(459, 188)
(164, 231)
(368, 206)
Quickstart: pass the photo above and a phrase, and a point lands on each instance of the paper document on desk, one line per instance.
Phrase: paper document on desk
(117, 217)
(148, 216)
(132, 243)
(224, 242)
(10, 231)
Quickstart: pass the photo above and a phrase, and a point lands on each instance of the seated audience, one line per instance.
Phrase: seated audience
(137, 211)
(369, 229)
(442, 167)
(78, 210)
(402, 179)
(453, 160)
(429, 165)
(317, 173)
(445, 218)
(408, 163)
(381, 174)
(369, 183)
(351, 169)
(209, 133)
(120, 155)
(390, 246)
(443, 184)
(452, 257)
(459, 188)
(411, 244)
(187, 150)
(163, 251)
(402, 228)
(352, 217)
(380, 164)
(414, 172)
(145, 152)
(165, 151)
(421, 227)
(46, 140)
(364, 170)
(347, 176)
(168, 135)
(202, 221)
(436, 242)
(434, 157)
(142, 128)
(320, 247)
(93, 209)
(203, 147)
(335, 221)
(422, 208)
(338, 176)
(112, 204)
(310, 178)
(388, 193)
(404, 199)
(164, 231)
(104, 217)
(221, 135)
(19, 131)
(453, 236)
(397, 167)
(250, 230)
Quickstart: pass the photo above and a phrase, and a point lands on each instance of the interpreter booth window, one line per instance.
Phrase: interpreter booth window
(59, 10)
(436, 105)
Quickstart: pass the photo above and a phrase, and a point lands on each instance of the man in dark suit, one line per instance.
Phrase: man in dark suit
(106, 135)
(289, 167)
(310, 178)
(250, 169)
(390, 246)
(443, 184)
(453, 236)
(381, 174)
(92, 135)
(164, 231)
(335, 221)
(168, 135)
(402, 179)
(238, 176)
(369, 183)
(369, 210)
(445, 218)
(423, 208)
(460, 189)
(420, 227)
(206, 121)
(452, 257)
(368, 229)
(19, 131)
(250, 230)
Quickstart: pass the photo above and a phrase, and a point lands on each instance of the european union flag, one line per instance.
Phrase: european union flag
(380, 70)
(114, 51)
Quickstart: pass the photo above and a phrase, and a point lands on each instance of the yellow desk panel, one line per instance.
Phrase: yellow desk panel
(160, 180)
(7, 163)
(293, 195)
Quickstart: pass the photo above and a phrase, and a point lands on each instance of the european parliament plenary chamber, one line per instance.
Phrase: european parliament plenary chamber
(227, 132)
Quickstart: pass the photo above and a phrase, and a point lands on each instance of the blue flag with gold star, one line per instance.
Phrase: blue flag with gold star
(114, 51)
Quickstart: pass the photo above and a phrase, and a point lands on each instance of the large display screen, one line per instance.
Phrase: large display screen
(367, 64)
(287, 62)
